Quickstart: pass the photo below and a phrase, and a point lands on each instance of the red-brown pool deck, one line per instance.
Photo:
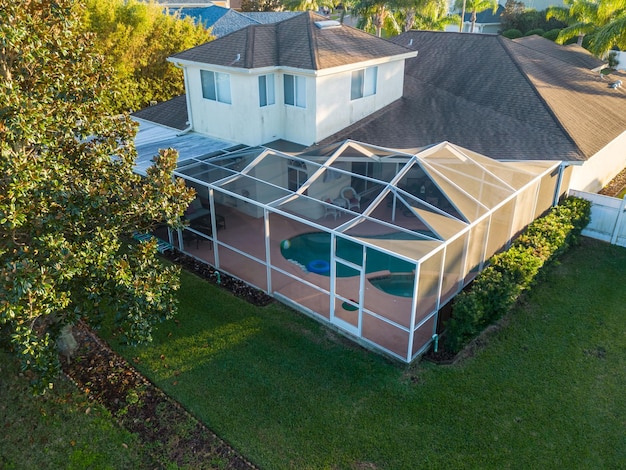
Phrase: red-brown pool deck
(246, 234)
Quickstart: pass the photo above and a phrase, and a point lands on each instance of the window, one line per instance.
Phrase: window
(363, 83)
(296, 175)
(266, 90)
(215, 86)
(295, 91)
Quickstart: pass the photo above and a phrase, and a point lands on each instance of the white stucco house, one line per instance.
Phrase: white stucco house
(366, 181)
(299, 80)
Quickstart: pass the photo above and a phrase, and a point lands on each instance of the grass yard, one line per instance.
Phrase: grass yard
(63, 429)
(547, 391)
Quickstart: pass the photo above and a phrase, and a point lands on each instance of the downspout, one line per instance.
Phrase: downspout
(559, 183)
(186, 82)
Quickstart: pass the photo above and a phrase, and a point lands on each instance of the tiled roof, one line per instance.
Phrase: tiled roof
(171, 113)
(497, 97)
(295, 42)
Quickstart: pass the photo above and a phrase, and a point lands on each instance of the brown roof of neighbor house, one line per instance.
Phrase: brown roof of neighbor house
(505, 99)
(295, 42)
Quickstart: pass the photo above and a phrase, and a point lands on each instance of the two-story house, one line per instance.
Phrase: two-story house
(300, 80)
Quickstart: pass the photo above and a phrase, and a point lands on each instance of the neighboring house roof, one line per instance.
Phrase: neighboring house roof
(502, 98)
(223, 21)
(171, 113)
(284, 44)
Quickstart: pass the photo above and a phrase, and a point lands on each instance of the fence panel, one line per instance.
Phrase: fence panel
(607, 218)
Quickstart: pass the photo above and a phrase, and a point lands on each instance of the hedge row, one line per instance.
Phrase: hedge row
(509, 273)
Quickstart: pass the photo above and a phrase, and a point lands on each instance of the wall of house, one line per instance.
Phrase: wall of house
(328, 107)
(335, 109)
(243, 120)
(596, 172)
(297, 124)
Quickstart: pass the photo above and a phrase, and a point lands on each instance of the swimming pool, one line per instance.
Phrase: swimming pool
(314, 247)
(395, 284)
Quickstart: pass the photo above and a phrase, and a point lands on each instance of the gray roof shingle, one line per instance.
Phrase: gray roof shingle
(505, 99)
(171, 113)
(295, 42)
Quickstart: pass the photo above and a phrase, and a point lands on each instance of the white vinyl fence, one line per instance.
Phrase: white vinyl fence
(607, 218)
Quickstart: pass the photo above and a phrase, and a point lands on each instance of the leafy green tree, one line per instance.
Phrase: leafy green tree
(475, 6)
(69, 199)
(137, 38)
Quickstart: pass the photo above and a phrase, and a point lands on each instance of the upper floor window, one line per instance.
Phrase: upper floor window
(363, 83)
(295, 90)
(266, 90)
(215, 86)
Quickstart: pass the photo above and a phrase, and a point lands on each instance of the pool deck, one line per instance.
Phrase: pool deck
(246, 233)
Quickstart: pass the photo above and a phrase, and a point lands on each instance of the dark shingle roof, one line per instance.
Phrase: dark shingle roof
(171, 113)
(496, 97)
(295, 42)
(572, 53)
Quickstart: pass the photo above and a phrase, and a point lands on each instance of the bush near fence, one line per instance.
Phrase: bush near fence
(509, 273)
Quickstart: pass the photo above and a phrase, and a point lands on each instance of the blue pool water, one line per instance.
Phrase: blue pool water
(315, 247)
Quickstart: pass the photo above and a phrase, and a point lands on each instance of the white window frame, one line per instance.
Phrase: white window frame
(215, 86)
(295, 90)
(267, 96)
(363, 83)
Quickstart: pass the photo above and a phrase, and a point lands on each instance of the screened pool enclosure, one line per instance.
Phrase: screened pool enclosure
(369, 240)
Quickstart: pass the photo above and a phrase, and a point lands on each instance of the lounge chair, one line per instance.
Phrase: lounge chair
(352, 198)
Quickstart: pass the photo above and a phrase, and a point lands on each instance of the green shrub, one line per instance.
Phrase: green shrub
(511, 272)
(512, 33)
(552, 34)
(537, 31)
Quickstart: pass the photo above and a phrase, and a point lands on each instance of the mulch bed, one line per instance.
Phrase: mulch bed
(169, 432)
(615, 185)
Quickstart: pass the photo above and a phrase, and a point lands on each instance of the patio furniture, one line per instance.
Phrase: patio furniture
(352, 198)
(330, 208)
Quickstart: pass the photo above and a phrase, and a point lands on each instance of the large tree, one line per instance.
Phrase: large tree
(137, 38)
(69, 199)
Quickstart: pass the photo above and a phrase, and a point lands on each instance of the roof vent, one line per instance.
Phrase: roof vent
(328, 24)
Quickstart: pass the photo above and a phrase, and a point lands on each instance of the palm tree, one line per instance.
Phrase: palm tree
(304, 5)
(475, 6)
(425, 14)
(612, 34)
(581, 17)
(603, 20)
(376, 15)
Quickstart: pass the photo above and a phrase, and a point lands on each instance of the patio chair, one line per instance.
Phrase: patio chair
(352, 198)
(330, 208)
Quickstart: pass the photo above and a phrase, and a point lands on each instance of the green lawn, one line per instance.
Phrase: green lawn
(547, 392)
(61, 430)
